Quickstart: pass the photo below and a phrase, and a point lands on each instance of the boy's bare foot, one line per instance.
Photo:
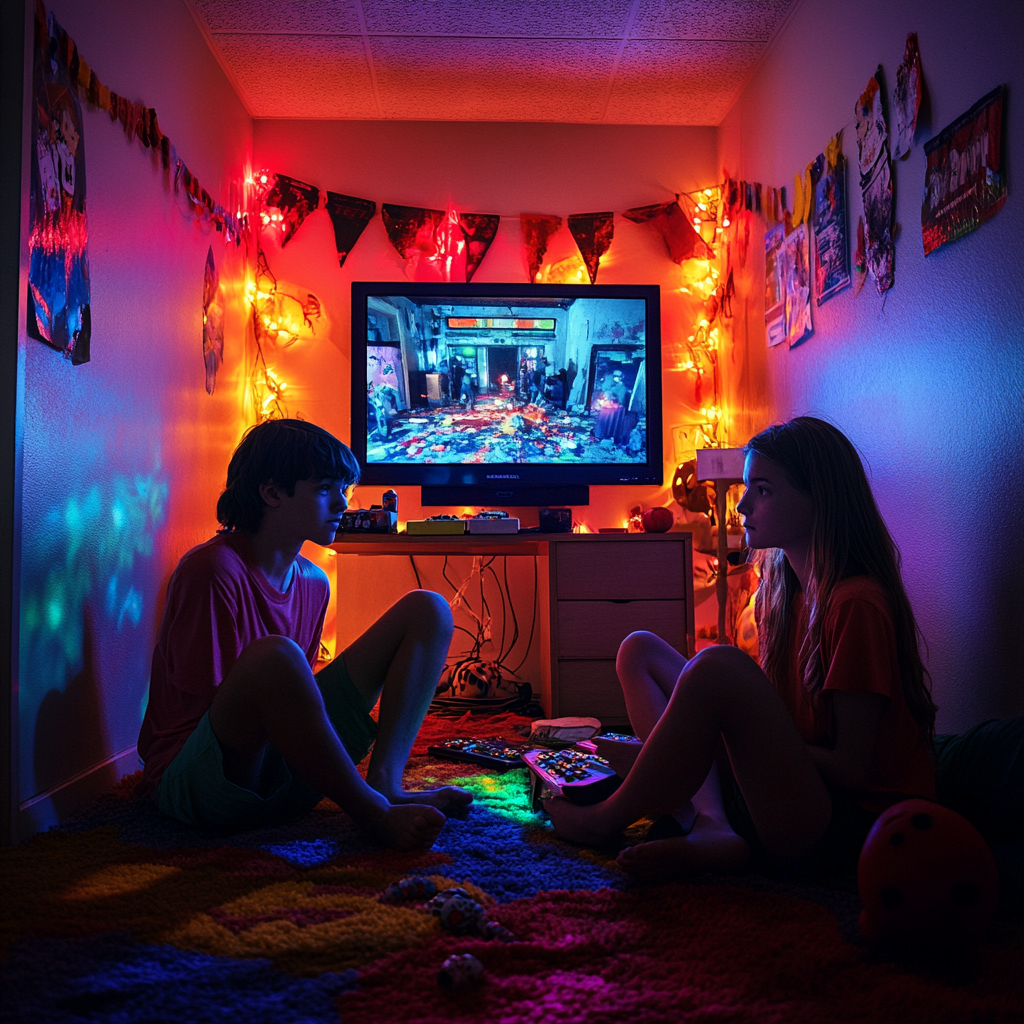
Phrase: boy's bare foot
(583, 825)
(407, 826)
(710, 846)
(443, 798)
(620, 754)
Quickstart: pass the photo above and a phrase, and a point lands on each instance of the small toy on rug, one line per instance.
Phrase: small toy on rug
(459, 972)
(408, 890)
(460, 914)
(926, 878)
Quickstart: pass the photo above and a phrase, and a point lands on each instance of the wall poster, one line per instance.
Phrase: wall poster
(876, 185)
(964, 183)
(828, 215)
(58, 273)
(774, 295)
(796, 285)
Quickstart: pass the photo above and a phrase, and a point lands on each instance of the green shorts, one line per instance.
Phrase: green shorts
(194, 789)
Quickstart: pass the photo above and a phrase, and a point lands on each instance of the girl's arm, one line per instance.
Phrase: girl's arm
(855, 720)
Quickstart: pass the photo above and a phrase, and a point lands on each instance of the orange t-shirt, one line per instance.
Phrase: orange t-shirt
(858, 650)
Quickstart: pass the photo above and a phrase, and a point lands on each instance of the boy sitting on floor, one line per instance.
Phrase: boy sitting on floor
(239, 732)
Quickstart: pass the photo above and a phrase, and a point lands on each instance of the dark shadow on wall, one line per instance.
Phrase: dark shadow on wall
(70, 735)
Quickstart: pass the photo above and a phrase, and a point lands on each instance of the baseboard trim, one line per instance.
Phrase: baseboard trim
(75, 779)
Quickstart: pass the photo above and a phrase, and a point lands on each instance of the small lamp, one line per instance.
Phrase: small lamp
(723, 466)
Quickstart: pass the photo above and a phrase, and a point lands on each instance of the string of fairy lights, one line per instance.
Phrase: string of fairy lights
(279, 318)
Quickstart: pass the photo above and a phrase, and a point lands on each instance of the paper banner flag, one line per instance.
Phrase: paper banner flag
(411, 228)
(430, 241)
(668, 219)
(349, 216)
(295, 199)
(906, 101)
(58, 272)
(479, 230)
(213, 322)
(593, 233)
(537, 230)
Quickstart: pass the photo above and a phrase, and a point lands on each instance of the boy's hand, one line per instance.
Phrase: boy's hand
(408, 826)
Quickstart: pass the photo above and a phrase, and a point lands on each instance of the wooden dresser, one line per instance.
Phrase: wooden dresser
(600, 588)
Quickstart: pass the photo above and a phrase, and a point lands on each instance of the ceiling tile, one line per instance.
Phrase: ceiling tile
(492, 79)
(699, 19)
(669, 83)
(329, 16)
(301, 76)
(542, 19)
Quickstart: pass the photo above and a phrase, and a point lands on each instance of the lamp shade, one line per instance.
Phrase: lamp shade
(720, 463)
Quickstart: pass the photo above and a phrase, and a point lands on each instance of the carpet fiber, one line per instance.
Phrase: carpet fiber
(123, 916)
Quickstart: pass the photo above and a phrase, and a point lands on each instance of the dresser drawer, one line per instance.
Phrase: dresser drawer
(651, 569)
(594, 629)
(591, 689)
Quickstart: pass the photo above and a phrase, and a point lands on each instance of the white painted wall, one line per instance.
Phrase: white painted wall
(928, 381)
(124, 456)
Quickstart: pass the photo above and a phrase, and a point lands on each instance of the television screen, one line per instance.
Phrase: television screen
(467, 384)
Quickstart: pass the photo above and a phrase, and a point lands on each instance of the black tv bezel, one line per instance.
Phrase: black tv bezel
(517, 475)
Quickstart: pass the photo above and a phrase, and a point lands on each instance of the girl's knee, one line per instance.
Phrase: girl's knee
(721, 671)
(636, 648)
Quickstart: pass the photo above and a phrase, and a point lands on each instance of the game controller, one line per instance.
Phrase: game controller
(582, 778)
(490, 753)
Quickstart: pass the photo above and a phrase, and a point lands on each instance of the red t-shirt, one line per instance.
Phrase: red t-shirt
(858, 650)
(218, 602)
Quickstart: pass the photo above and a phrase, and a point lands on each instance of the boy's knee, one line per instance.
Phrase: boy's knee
(429, 611)
(273, 653)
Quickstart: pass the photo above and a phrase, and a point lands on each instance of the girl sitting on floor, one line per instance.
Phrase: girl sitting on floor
(834, 726)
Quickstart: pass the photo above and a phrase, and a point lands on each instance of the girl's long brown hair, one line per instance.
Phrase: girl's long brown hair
(850, 538)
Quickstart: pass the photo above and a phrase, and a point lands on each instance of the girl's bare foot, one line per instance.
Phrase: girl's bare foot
(583, 825)
(407, 826)
(710, 846)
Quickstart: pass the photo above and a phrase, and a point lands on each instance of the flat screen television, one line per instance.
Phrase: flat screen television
(506, 394)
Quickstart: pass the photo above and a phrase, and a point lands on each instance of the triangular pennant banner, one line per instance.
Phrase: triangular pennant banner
(431, 242)
(295, 199)
(412, 229)
(479, 229)
(213, 322)
(668, 219)
(537, 230)
(593, 233)
(349, 216)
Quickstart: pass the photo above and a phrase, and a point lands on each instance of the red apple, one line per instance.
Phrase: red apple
(657, 520)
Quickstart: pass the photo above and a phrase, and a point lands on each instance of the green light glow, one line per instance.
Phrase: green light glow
(507, 795)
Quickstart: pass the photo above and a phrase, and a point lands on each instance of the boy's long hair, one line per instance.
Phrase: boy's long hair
(849, 538)
(284, 451)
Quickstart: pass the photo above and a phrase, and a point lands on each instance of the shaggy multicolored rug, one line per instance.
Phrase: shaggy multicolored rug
(124, 916)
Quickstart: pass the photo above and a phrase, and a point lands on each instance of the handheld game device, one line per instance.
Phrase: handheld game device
(495, 754)
(582, 778)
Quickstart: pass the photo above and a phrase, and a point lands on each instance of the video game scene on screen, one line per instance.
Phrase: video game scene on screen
(554, 380)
